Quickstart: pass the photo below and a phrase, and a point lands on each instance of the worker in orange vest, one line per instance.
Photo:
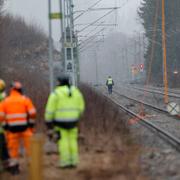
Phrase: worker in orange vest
(17, 113)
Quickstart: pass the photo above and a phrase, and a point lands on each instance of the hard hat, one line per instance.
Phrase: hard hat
(16, 85)
(2, 85)
(63, 79)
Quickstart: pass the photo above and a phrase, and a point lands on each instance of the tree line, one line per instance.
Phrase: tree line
(24, 57)
(151, 16)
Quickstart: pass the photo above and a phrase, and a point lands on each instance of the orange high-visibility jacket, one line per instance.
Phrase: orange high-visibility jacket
(17, 111)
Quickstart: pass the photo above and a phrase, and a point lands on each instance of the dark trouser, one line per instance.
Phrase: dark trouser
(3, 148)
(110, 89)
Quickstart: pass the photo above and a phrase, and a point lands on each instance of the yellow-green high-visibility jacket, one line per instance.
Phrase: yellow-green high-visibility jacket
(2, 96)
(109, 81)
(64, 108)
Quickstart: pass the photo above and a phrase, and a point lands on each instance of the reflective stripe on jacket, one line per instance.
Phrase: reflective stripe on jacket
(64, 108)
(16, 110)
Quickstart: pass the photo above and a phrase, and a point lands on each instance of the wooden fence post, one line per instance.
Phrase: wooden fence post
(36, 158)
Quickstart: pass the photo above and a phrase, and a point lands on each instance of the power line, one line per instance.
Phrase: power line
(87, 9)
(94, 28)
(96, 21)
(96, 24)
(98, 9)
(88, 36)
(112, 9)
(91, 44)
(104, 9)
(86, 45)
(94, 35)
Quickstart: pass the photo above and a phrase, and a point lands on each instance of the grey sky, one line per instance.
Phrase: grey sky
(36, 11)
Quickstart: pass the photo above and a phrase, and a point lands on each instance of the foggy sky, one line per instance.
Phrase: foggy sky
(36, 11)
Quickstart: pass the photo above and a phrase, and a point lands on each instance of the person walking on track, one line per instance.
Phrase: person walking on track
(17, 113)
(64, 108)
(110, 84)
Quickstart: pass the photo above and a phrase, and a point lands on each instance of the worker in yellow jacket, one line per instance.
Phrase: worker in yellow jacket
(63, 110)
(110, 84)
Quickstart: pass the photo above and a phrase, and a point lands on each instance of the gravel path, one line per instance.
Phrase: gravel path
(167, 122)
(158, 159)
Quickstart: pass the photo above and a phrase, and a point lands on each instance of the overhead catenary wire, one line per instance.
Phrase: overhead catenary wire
(92, 41)
(99, 9)
(92, 31)
(96, 21)
(91, 44)
(94, 35)
(88, 41)
(86, 45)
(104, 9)
(96, 24)
(102, 17)
(91, 24)
(88, 36)
(85, 11)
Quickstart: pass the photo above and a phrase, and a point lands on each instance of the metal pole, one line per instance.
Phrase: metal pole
(127, 64)
(72, 42)
(123, 65)
(140, 61)
(62, 32)
(65, 34)
(166, 98)
(50, 49)
(96, 64)
(77, 60)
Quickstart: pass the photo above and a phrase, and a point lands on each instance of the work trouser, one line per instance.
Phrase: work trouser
(68, 147)
(110, 89)
(3, 148)
(4, 156)
(14, 140)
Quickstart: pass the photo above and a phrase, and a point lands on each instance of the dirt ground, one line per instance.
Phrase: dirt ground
(107, 151)
(112, 162)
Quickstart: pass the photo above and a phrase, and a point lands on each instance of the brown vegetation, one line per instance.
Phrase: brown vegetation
(107, 151)
(24, 57)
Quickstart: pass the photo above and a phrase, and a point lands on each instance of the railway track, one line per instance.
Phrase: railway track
(146, 104)
(157, 91)
(142, 102)
(176, 91)
(158, 126)
(153, 98)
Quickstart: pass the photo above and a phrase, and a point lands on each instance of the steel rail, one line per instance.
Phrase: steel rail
(171, 94)
(142, 102)
(175, 91)
(174, 141)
